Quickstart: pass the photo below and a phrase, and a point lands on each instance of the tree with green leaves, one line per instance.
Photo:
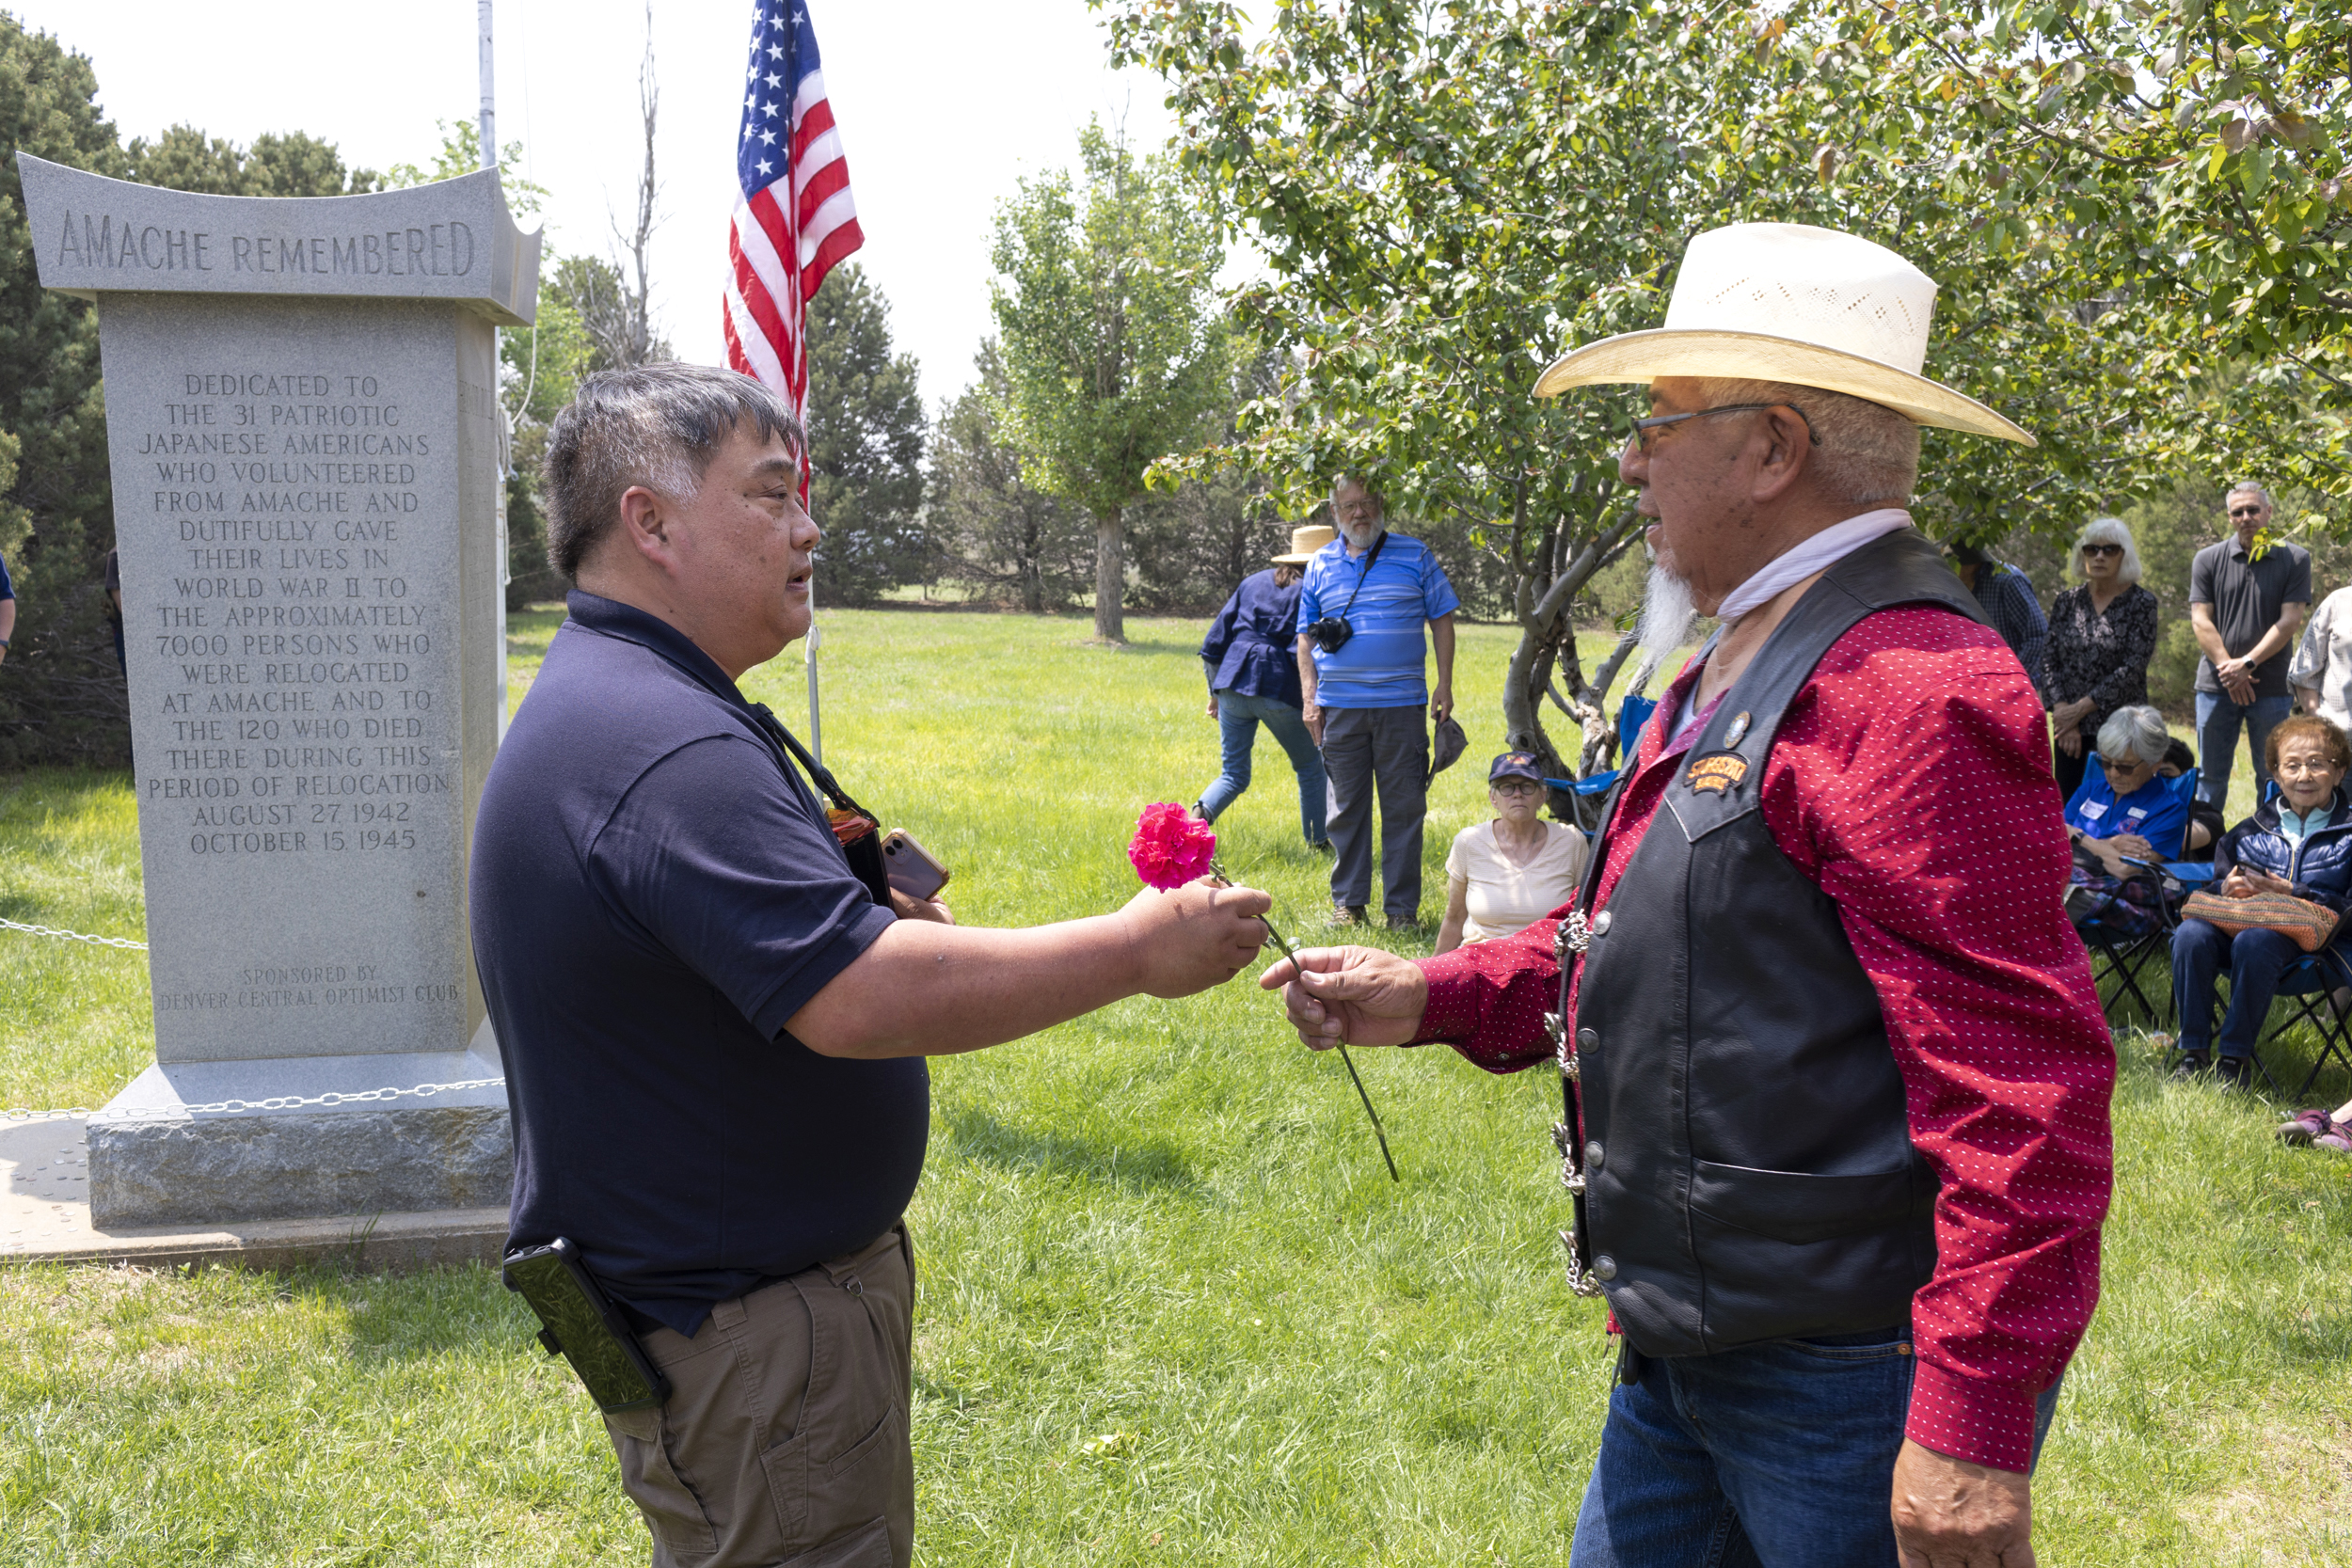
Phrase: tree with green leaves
(2178, 171)
(866, 430)
(1447, 198)
(1113, 351)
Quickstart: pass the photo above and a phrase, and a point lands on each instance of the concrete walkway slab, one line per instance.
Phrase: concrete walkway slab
(45, 1216)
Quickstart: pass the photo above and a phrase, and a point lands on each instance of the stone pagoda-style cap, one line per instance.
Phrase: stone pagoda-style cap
(451, 240)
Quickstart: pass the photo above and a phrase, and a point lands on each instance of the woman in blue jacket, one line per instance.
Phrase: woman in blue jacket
(2298, 844)
(1253, 680)
(2125, 816)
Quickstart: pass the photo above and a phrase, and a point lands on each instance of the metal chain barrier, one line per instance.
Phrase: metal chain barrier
(74, 935)
(276, 1103)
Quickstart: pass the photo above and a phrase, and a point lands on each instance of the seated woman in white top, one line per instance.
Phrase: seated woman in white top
(1503, 876)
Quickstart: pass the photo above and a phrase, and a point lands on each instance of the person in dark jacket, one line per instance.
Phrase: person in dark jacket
(2298, 844)
(1253, 680)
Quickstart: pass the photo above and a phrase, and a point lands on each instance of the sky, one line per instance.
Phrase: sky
(943, 107)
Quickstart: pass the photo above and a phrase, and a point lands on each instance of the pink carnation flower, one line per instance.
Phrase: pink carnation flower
(1172, 846)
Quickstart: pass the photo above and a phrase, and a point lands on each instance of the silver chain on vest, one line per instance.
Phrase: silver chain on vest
(1573, 938)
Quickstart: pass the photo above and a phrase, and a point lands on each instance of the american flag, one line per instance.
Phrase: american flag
(795, 219)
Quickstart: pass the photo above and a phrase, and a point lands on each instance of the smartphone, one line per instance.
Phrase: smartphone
(911, 867)
(583, 1326)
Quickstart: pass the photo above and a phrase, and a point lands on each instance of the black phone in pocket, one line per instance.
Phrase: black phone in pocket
(581, 1324)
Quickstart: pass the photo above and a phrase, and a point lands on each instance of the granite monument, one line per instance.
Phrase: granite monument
(304, 437)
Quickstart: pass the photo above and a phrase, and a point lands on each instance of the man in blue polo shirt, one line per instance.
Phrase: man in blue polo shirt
(1364, 698)
(713, 1035)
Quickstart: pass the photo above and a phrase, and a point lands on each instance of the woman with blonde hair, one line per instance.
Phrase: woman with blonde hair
(2102, 632)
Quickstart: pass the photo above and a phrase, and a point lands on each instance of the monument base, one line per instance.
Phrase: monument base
(159, 1155)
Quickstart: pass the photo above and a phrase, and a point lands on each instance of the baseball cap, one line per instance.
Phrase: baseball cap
(1514, 765)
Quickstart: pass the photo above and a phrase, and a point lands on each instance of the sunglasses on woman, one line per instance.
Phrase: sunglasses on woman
(2103, 550)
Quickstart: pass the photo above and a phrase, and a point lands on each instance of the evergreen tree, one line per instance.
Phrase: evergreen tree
(61, 696)
(992, 529)
(185, 159)
(866, 445)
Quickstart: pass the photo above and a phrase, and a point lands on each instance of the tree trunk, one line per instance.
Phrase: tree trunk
(1110, 576)
(1549, 581)
(1032, 569)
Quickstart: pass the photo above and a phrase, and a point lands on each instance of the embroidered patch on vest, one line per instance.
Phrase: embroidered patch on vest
(1716, 772)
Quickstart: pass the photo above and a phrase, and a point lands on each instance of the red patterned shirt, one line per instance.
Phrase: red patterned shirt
(1909, 780)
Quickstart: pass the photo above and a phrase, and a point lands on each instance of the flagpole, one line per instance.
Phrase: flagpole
(489, 98)
(816, 730)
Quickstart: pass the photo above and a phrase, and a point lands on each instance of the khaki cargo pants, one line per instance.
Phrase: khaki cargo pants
(785, 1438)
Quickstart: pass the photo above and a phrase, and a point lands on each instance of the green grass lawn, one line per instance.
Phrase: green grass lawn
(1171, 1308)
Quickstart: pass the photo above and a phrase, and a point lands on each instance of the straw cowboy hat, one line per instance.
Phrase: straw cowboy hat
(1304, 542)
(1788, 302)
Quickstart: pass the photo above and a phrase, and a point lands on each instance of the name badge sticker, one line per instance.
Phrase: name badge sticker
(1716, 773)
(2094, 809)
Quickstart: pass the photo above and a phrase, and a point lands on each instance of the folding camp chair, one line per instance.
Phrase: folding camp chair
(2310, 988)
(1590, 794)
(2123, 959)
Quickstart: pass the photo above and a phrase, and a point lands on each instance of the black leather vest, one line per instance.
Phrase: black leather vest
(1747, 1164)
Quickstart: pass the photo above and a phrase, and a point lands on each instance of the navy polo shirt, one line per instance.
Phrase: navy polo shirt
(655, 891)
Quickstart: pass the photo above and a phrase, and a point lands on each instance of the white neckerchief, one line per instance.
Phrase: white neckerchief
(1819, 553)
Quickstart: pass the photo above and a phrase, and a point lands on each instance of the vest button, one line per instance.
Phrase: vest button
(1604, 1267)
(1594, 1154)
(1601, 924)
(1586, 1039)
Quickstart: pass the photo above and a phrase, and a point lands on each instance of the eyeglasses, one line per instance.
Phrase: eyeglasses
(1642, 428)
(2246, 512)
(2301, 767)
(2103, 550)
(1516, 786)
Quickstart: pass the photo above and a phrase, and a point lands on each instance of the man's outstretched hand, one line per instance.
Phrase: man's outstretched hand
(1949, 1513)
(1351, 996)
(1197, 936)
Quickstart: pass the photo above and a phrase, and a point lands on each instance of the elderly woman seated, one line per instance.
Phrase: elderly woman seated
(2124, 821)
(1503, 876)
(2298, 844)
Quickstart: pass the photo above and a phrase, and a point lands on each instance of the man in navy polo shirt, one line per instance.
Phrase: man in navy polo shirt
(713, 1036)
(1364, 700)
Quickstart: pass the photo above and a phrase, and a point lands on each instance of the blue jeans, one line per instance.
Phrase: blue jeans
(1238, 717)
(1779, 1455)
(2257, 961)
(2217, 722)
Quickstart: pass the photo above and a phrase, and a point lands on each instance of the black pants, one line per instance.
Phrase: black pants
(2070, 770)
(1383, 750)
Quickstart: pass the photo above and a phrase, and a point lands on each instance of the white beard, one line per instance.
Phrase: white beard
(1359, 538)
(1667, 614)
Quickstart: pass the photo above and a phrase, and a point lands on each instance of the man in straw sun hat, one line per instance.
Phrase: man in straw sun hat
(1838, 1081)
(1253, 680)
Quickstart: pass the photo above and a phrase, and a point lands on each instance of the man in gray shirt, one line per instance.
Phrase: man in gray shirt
(2247, 609)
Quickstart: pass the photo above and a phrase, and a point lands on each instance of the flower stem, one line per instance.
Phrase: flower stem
(1378, 1132)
